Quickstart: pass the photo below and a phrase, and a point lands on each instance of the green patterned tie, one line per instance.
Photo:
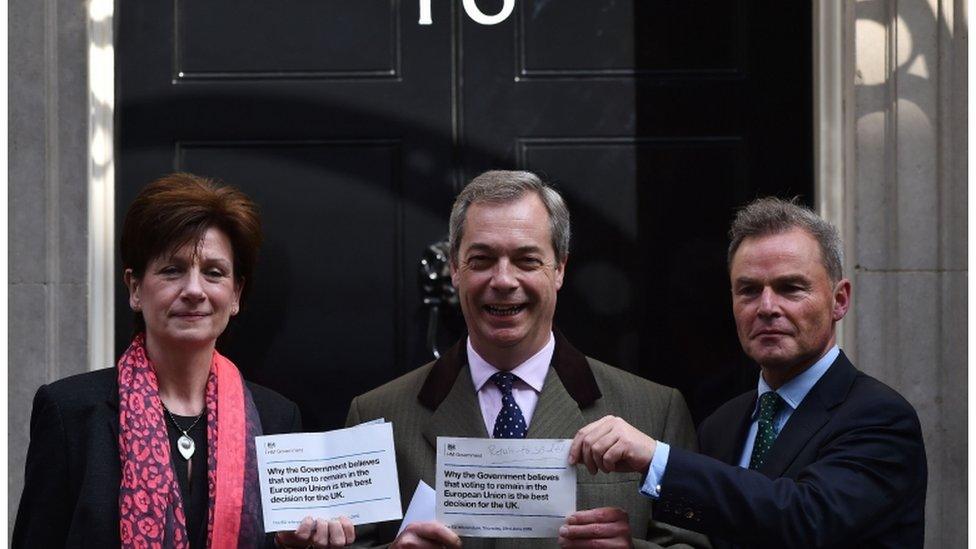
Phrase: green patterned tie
(769, 405)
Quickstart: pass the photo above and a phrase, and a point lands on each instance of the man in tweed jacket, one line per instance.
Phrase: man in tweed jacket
(509, 239)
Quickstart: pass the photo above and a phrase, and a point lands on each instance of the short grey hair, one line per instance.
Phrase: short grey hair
(503, 186)
(771, 215)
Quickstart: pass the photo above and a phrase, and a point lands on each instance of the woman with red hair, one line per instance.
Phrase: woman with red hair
(159, 451)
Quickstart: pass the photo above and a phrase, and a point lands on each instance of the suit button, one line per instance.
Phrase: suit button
(690, 514)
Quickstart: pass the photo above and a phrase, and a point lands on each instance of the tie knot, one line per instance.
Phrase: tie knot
(504, 381)
(769, 404)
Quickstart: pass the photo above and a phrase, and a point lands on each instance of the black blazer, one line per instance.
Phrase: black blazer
(848, 470)
(73, 473)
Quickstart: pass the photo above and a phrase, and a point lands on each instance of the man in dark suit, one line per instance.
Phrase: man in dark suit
(513, 376)
(820, 455)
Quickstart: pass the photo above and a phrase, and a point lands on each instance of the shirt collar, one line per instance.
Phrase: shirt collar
(533, 371)
(796, 389)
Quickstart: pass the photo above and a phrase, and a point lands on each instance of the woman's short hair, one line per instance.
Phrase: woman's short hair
(176, 210)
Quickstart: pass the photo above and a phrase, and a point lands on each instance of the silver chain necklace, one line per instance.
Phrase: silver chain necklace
(185, 444)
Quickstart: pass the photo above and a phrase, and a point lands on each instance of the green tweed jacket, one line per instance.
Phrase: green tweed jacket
(438, 399)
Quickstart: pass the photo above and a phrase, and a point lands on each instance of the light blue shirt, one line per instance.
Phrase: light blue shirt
(793, 392)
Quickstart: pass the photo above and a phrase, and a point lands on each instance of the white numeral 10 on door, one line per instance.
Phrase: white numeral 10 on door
(474, 12)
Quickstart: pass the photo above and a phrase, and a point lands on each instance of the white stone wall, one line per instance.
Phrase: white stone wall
(47, 209)
(910, 233)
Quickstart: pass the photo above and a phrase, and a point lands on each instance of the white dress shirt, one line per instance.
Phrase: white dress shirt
(531, 375)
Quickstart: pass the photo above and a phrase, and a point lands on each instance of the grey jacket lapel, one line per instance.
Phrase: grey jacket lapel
(459, 415)
(556, 414)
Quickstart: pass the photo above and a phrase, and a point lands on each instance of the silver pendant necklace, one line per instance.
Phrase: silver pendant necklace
(185, 444)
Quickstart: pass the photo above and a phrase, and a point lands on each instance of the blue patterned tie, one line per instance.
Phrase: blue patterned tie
(510, 422)
(770, 404)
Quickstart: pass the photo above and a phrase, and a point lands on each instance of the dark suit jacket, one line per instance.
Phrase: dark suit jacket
(847, 470)
(73, 473)
(438, 399)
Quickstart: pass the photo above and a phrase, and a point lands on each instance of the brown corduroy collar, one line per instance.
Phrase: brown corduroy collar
(570, 365)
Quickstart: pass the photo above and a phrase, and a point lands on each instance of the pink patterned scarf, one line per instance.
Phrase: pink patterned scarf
(150, 504)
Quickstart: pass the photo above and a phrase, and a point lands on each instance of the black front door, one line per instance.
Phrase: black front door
(353, 126)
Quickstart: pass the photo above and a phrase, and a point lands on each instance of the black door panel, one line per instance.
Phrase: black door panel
(353, 126)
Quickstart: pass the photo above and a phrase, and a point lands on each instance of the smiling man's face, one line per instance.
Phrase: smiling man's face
(784, 303)
(507, 277)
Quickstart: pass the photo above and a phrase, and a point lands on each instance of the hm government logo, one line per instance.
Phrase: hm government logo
(271, 448)
(451, 450)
